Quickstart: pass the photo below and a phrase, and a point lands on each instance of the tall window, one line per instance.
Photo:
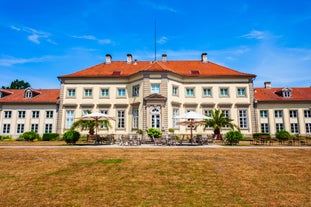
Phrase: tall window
(293, 114)
(20, 128)
(7, 114)
(241, 92)
(207, 112)
(263, 114)
(175, 91)
(6, 128)
(224, 92)
(307, 113)
(243, 119)
(207, 92)
(226, 113)
(34, 127)
(294, 128)
(308, 128)
(121, 92)
(105, 92)
(49, 114)
(135, 118)
(48, 128)
(278, 113)
(88, 93)
(279, 126)
(103, 111)
(265, 128)
(71, 92)
(121, 119)
(190, 92)
(155, 88)
(35, 114)
(21, 114)
(155, 117)
(69, 118)
(175, 120)
(136, 90)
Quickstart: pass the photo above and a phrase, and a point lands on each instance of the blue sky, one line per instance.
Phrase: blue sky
(41, 40)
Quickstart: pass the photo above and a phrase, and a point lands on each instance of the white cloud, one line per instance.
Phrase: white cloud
(34, 35)
(162, 40)
(91, 37)
(255, 34)
(10, 61)
(160, 7)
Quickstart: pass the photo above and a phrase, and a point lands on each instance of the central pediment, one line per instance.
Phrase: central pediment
(155, 97)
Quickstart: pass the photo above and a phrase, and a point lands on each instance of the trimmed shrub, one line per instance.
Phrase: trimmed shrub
(261, 135)
(233, 137)
(2, 138)
(50, 137)
(283, 135)
(30, 136)
(71, 136)
(153, 132)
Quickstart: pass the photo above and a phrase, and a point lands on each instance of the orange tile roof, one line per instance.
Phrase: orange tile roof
(275, 94)
(184, 67)
(44, 96)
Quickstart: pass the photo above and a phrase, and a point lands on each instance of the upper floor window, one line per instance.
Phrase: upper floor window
(21, 114)
(155, 88)
(293, 114)
(136, 90)
(121, 92)
(207, 92)
(105, 92)
(175, 91)
(71, 92)
(7, 114)
(263, 114)
(307, 113)
(241, 92)
(224, 92)
(278, 113)
(35, 114)
(88, 93)
(190, 92)
(49, 114)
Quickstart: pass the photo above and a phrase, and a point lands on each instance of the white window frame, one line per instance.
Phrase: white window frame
(135, 114)
(155, 88)
(6, 128)
(71, 92)
(175, 120)
(224, 92)
(135, 91)
(34, 127)
(104, 93)
(88, 92)
(20, 128)
(294, 128)
(49, 114)
(207, 92)
(121, 92)
(175, 90)
(70, 114)
(21, 114)
(7, 114)
(190, 92)
(243, 118)
(35, 114)
(308, 128)
(278, 114)
(48, 128)
(279, 126)
(307, 113)
(241, 92)
(121, 119)
(264, 127)
(293, 113)
(264, 113)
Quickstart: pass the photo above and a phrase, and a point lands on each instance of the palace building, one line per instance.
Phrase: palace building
(145, 94)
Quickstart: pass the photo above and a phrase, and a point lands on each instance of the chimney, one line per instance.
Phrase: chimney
(108, 59)
(268, 85)
(129, 58)
(164, 57)
(204, 57)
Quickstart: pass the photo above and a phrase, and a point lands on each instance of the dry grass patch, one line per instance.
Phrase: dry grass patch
(155, 177)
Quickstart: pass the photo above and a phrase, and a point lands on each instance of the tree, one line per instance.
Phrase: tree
(217, 121)
(17, 84)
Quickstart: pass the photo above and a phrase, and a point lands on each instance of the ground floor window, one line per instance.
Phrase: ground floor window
(308, 128)
(155, 117)
(279, 126)
(6, 128)
(121, 119)
(101, 125)
(20, 128)
(135, 118)
(175, 120)
(69, 118)
(243, 119)
(34, 127)
(294, 128)
(48, 128)
(264, 128)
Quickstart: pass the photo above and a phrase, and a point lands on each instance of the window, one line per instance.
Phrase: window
(6, 128)
(207, 112)
(121, 92)
(308, 128)
(155, 117)
(88, 93)
(34, 127)
(207, 92)
(287, 94)
(224, 92)
(7, 114)
(279, 126)
(278, 113)
(190, 92)
(243, 119)
(241, 92)
(49, 114)
(121, 119)
(135, 118)
(307, 113)
(135, 90)
(226, 113)
(35, 114)
(294, 128)
(48, 128)
(28, 94)
(101, 125)
(20, 128)
(293, 114)
(175, 91)
(175, 120)
(155, 88)
(105, 92)
(263, 114)
(69, 118)
(71, 92)
(21, 114)
(264, 128)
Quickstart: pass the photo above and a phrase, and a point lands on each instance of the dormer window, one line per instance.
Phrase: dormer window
(28, 94)
(0, 94)
(286, 92)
